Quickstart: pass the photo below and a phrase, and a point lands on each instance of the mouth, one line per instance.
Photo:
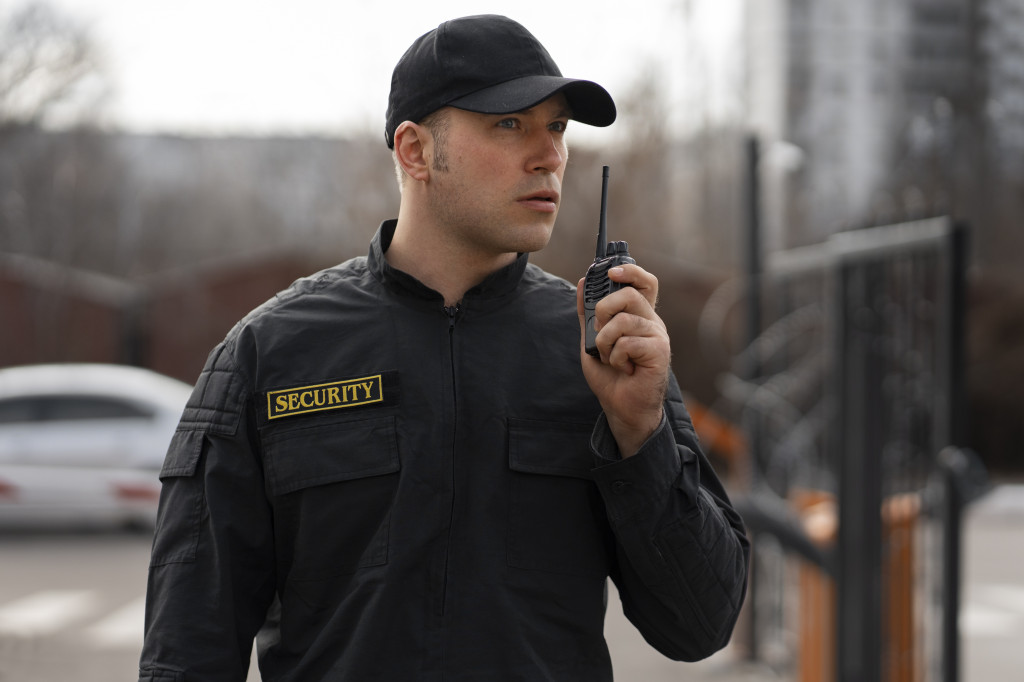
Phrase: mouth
(541, 200)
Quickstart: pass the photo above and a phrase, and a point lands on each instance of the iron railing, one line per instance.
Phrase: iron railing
(851, 394)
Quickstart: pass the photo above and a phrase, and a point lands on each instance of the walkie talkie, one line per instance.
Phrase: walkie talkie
(597, 285)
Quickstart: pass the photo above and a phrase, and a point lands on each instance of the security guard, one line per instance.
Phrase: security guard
(405, 467)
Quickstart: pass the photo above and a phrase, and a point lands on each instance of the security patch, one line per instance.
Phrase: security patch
(329, 396)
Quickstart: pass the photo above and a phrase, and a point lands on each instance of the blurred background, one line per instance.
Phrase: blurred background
(831, 194)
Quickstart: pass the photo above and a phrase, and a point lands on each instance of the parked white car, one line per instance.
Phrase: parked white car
(84, 443)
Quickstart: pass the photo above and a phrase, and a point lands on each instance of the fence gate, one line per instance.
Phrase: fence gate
(851, 397)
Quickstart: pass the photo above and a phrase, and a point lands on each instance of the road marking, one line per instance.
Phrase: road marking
(45, 612)
(122, 629)
(1010, 597)
(985, 621)
(995, 610)
(1006, 500)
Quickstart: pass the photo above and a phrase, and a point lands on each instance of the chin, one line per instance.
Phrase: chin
(534, 243)
(523, 236)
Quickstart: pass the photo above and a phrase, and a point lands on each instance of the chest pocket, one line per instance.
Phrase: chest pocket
(557, 521)
(332, 486)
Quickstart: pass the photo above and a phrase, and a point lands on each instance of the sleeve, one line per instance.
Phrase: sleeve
(211, 574)
(682, 552)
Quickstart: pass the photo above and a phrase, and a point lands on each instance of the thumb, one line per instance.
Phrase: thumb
(579, 302)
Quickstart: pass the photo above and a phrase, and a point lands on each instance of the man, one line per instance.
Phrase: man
(405, 467)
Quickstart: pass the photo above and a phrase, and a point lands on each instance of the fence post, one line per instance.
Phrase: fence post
(753, 265)
(859, 447)
(954, 464)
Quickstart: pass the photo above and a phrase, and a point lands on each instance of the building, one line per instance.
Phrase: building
(167, 322)
(857, 104)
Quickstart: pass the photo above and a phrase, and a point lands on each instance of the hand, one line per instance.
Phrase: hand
(631, 375)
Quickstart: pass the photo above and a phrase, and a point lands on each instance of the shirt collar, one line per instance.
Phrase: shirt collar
(495, 285)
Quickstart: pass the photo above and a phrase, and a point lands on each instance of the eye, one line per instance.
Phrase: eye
(558, 126)
(508, 123)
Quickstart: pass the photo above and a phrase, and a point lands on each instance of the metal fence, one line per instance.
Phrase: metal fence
(850, 394)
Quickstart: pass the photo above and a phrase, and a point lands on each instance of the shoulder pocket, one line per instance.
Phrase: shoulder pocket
(557, 521)
(183, 454)
(181, 500)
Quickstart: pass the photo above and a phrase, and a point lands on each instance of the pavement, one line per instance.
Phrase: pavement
(100, 579)
(991, 623)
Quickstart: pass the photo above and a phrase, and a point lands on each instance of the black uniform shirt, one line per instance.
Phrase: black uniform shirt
(386, 489)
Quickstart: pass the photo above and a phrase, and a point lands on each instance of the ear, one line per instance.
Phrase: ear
(411, 141)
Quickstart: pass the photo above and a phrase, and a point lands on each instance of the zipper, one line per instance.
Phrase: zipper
(453, 314)
(452, 311)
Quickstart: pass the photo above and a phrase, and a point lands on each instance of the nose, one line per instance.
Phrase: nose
(548, 152)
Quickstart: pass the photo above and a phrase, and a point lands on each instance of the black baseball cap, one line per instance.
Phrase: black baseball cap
(488, 64)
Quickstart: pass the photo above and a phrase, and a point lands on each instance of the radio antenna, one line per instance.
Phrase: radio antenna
(602, 227)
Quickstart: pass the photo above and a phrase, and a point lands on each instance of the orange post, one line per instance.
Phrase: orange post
(899, 517)
(817, 593)
(817, 626)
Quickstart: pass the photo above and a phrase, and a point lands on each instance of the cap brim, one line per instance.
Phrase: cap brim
(590, 103)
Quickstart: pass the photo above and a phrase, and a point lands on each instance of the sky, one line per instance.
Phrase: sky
(324, 66)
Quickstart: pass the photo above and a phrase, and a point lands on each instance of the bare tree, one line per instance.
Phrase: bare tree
(47, 64)
(49, 74)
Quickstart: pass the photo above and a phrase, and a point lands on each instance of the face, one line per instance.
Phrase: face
(497, 188)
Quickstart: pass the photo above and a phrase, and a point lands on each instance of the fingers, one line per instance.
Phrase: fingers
(639, 279)
(630, 332)
(579, 299)
(628, 341)
(627, 303)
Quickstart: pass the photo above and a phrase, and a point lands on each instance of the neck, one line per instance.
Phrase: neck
(446, 265)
